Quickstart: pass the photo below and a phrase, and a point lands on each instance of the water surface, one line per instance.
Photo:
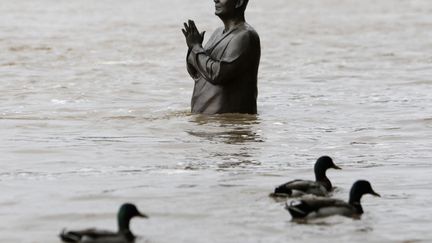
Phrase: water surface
(95, 112)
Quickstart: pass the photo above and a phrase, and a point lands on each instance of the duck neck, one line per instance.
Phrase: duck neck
(355, 199)
(123, 224)
(320, 176)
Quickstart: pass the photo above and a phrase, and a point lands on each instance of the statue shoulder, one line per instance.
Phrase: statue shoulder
(251, 31)
(244, 41)
(246, 35)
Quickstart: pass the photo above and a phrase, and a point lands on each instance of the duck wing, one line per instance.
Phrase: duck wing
(319, 202)
(301, 187)
(81, 235)
(118, 238)
(319, 207)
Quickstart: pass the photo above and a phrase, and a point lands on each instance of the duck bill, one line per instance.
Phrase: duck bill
(142, 215)
(375, 194)
(336, 167)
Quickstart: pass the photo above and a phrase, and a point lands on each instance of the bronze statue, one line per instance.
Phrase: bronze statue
(226, 69)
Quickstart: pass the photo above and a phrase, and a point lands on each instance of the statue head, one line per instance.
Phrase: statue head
(230, 8)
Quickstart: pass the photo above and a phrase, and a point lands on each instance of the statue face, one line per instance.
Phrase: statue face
(225, 7)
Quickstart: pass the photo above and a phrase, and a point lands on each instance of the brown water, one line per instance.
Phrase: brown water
(94, 112)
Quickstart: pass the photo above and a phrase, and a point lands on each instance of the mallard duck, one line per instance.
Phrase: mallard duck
(126, 212)
(320, 187)
(314, 207)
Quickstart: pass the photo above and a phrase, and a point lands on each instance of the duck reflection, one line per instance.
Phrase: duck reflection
(231, 138)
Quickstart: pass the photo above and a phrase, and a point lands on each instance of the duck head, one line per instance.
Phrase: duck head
(358, 189)
(321, 166)
(126, 212)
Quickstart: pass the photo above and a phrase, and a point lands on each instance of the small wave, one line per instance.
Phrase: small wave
(29, 48)
(132, 63)
(87, 171)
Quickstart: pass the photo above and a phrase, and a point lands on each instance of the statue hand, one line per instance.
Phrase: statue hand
(192, 35)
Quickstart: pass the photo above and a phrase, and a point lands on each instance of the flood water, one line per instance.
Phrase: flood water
(95, 112)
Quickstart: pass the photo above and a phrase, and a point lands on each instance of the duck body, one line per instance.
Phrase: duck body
(316, 207)
(298, 188)
(96, 236)
(126, 212)
(321, 207)
(320, 187)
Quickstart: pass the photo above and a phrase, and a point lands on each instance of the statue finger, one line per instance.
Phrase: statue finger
(192, 26)
(186, 27)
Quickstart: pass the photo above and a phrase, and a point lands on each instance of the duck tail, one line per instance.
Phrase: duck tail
(283, 190)
(69, 237)
(298, 209)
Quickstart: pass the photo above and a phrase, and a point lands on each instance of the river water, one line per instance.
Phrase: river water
(95, 112)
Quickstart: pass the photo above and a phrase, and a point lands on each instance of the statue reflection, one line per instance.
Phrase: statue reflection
(228, 139)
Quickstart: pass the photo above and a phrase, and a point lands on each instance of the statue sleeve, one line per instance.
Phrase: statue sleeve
(190, 68)
(232, 63)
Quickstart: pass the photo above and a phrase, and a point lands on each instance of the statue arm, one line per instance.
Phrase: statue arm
(190, 68)
(219, 72)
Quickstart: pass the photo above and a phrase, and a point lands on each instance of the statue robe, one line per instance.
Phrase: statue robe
(226, 72)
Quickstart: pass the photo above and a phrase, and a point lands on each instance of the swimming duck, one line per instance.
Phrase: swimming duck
(320, 187)
(314, 207)
(126, 212)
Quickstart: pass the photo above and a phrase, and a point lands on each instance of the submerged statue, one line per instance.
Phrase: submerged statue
(226, 69)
